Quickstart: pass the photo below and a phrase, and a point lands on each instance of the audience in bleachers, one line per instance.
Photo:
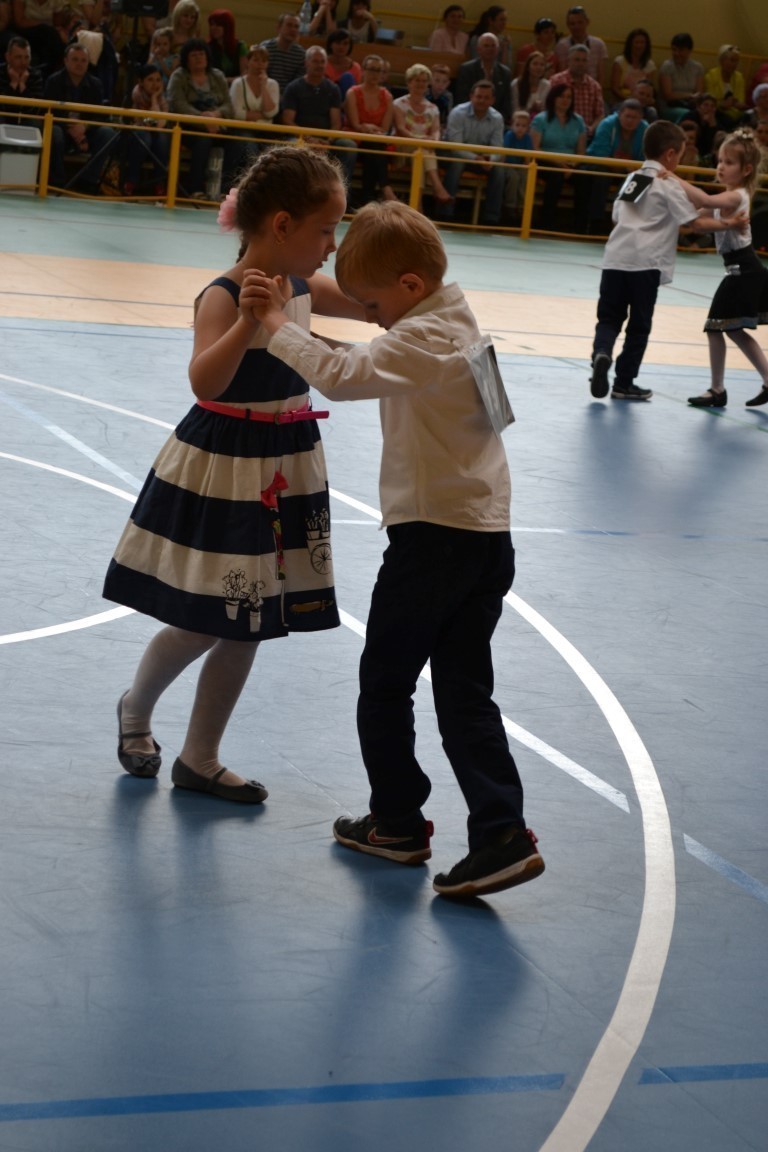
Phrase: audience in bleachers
(185, 24)
(679, 89)
(228, 52)
(368, 108)
(486, 66)
(417, 118)
(681, 78)
(475, 122)
(286, 55)
(544, 40)
(18, 78)
(323, 19)
(196, 88)
(450, 37)
(255, 96)
(529, 90)
(73, 84)
(439, 92)
(314, 101)
(161, 53)
(559, 128)
(577, 23)
(726, 83)
(494, 20)
(588, 102)
(635, 63)
(360, 22)
(148, 95)
(36, 21)
(341, 68)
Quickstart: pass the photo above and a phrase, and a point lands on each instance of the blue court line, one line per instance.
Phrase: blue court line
(276, 1097)
(726, 869)
(704, 1073)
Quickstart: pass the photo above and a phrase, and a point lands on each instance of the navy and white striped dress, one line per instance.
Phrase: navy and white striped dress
(230, 535)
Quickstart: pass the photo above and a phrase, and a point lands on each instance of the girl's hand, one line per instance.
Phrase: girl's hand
(262, 299)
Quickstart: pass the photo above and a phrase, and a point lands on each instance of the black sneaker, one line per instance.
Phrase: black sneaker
(511, 859)
(709, 399)
(629, 392)
(367, 834)
(599, 379)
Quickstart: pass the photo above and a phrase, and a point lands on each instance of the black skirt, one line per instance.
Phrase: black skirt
(741, 299)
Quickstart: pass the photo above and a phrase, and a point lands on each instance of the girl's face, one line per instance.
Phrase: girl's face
(537, 68)
(453, 20)
(307, 243)
(153, 84)
(341, 47)
(188, 20)
(731, 170)
(498, 23)
(216, 30)
(417, 86)
(161, 45)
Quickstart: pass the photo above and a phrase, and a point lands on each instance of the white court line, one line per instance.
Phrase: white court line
(621, 1039)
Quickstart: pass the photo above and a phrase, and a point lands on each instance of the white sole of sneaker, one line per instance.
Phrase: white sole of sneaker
(519, 873)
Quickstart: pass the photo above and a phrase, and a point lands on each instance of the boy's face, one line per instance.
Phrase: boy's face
(440, 81)
(520, 126)
(385, 306)
(672, 157)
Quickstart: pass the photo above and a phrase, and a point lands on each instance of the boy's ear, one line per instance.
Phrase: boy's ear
(412, 283)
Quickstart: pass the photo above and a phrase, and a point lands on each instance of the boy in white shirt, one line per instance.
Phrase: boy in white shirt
(639, 256)
(445, 494)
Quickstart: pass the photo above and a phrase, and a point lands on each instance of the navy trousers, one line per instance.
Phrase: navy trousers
(438, 597)
(625, 294)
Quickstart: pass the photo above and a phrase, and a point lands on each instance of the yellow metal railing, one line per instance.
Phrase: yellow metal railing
(413, 152)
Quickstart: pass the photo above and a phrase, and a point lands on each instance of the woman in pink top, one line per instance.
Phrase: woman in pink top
(368, 107)
(450, 38)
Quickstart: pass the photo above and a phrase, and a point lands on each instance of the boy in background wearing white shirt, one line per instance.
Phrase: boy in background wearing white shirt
(639, 256)
(445, 494)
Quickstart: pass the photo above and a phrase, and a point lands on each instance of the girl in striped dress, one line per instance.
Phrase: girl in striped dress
(229, 541)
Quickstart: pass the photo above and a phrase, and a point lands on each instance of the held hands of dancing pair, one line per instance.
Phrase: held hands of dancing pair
(262, 299)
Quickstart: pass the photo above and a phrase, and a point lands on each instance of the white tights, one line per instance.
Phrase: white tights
(221, 680)
(748, 345)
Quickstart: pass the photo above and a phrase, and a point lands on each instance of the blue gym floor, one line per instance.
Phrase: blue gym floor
(178, 973)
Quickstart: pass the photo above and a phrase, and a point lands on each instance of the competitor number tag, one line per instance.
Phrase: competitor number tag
(634, 187)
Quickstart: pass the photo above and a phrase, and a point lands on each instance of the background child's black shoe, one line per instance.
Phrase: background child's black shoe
(599, 380)
(709, 399)
(761, 398)
(629, 392)
(367, 834)
(511, 859)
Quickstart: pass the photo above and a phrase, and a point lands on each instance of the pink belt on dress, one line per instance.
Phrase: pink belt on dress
(290, 417)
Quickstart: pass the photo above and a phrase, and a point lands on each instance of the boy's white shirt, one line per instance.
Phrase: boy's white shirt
(645, 234)
(441, 460)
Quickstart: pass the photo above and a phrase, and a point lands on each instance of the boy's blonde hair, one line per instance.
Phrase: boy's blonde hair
(383, 242)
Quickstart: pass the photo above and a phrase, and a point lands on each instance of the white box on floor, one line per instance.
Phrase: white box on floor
(20, 148)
